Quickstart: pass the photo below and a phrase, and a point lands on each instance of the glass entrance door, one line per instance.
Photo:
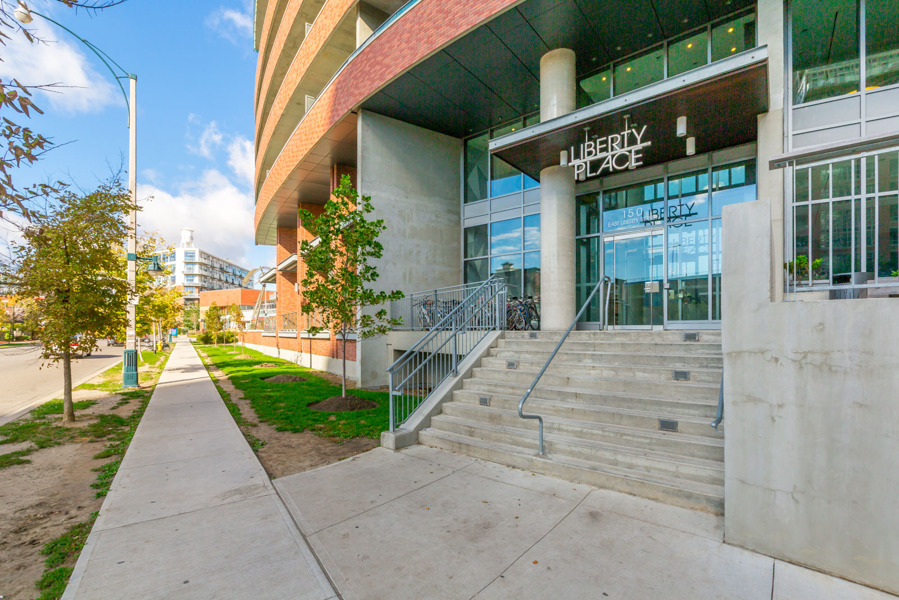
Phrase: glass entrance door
(635, 265)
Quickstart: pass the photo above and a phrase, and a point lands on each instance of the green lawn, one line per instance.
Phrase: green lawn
(284, 405)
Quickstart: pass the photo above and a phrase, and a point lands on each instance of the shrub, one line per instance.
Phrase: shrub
(224, 337)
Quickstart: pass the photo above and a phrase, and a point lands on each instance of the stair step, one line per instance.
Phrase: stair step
(696, 406)
(596, 414)
(670, 336)
(610, 346)
(594, 371)
(648, 440)
(626, 359)
(672, 389)
(673, 490)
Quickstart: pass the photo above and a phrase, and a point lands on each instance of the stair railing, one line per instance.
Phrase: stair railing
(604, 282)
(415, 375)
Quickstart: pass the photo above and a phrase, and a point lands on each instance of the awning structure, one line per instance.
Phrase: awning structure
(289, 264)
(721, 101)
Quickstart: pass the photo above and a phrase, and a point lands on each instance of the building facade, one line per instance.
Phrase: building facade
(729, 165)
(196, 271)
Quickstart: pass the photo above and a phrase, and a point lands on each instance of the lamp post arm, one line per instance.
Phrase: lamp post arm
(104, 58)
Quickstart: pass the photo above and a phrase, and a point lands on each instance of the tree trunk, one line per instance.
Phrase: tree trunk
(343, 381)
(68, 409)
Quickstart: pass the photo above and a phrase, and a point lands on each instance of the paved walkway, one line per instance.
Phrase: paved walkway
(191, 513)
(424, 523)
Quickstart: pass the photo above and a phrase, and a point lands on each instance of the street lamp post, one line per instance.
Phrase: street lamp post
(24, 14)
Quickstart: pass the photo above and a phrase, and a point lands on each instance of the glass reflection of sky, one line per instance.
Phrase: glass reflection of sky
(505, 236)
(532, 232)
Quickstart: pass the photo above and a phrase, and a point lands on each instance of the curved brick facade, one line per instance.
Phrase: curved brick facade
(424, 29)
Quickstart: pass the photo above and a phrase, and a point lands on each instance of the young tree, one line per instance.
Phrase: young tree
(236, 315)
(214, 322)
(69, 267)
(339, 271)
(191, 317)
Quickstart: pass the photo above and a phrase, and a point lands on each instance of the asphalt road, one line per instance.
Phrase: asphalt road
(24, 384)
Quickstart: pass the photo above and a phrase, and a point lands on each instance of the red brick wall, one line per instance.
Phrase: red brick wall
(320, 347)
(423, 30)
(227, 297)
(285, 280)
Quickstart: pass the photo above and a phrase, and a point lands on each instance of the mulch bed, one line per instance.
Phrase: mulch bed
(284, 379)
(265, 366)
(343, 404)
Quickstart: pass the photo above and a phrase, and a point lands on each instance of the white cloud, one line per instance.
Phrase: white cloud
(240, 159)
(220, 214)
(234, 24)
(81, 88)
(210, 139)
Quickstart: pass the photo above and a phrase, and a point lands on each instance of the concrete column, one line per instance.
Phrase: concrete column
(368, 18)
(557, 300)
(557, 217)
(557, 84)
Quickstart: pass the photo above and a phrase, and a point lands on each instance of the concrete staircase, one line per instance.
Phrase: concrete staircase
(608, 400)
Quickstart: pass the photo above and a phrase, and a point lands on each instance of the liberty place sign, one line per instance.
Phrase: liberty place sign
(614, 152)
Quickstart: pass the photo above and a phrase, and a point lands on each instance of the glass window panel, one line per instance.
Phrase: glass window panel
(587, 262)
(688, 54)
(504, 178)
(801, 185)
(870, 235)
(820, 182)
(639, 71)
(587, 214)
(532, 232)
(882, 41)
(532, 274)
(733, 37)
(798, 270)
(595, 88)
(825, 49)
(476, 241)
(688, 198)
(476, 270)
(870, 181)
(733, 184)
(688, 270)
(530, 183)
(636, 206)
(887, 172)
(842, 178)
(505, 236)
(857, 232)
(716, 270)
(476, 157)
(508, 268)
(887, 236)
(842, 237)
(819, 257)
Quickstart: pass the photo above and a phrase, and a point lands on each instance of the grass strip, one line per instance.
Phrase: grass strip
(285, 406)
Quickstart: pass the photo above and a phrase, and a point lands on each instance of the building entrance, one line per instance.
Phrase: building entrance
(659, 241)
(635, 264)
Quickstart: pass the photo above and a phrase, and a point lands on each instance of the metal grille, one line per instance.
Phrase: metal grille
(682, 375)
(421, 311)
(667, 425)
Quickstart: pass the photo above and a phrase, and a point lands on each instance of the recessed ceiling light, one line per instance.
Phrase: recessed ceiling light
(685, 20)
(618, 48)
(593, 59)
(731, 30)
(734, 49)
(603, 78)
(649, 35)
(690, 45)
(628, 68)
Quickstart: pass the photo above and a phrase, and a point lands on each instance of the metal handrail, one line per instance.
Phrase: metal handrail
(605, 280)
(433, 358)
(719, 416)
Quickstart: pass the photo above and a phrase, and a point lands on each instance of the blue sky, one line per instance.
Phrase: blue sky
(195, 65)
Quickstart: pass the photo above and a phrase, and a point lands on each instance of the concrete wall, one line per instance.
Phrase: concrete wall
(412, 176)
(811, 415)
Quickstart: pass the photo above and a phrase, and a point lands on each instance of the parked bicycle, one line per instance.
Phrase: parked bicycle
(522, 314)
(431, 312)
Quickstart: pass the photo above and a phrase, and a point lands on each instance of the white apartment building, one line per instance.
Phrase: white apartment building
(196, 270)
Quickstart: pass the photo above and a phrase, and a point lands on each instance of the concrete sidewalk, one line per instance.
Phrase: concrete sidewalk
(424, 523)
(191, 513)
